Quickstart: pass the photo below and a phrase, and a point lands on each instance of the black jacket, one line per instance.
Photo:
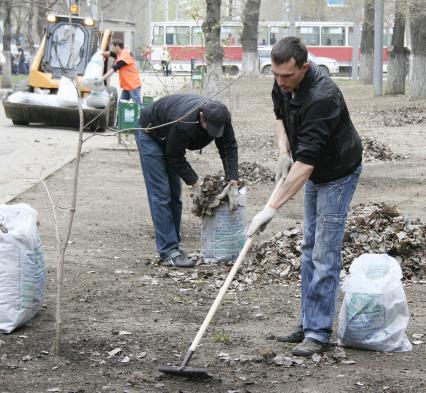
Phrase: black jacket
(318, 126)
(187, 134)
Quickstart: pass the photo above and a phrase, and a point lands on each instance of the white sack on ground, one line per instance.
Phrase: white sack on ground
(374, 313)
(223, 234)
(22, 267)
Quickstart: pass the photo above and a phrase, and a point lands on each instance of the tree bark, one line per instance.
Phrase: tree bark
(398, 55)
(30, 31)
(367, 44)
(6, 81)
(249, 37)
(214, 51)
(418, 49)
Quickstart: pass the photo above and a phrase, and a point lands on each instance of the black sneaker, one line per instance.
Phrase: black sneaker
(178, 261)
(309, 346)
(295, 336)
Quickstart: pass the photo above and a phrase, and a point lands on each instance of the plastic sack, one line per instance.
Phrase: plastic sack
(222, 235)
(374, 313)
(98, 99)
(19, 97)
(93, 72)
(22, 267)
(67, 93)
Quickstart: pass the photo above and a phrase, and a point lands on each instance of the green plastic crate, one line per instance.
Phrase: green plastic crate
(128, 114)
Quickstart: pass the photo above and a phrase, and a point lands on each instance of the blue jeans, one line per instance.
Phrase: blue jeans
(326, 206)
(163, 187)
(134, 94)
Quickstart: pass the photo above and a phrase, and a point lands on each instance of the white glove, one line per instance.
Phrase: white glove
(231, 191)
(283, 166)
(260, 220)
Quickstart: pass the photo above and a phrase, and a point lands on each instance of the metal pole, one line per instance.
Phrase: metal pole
(355, 50)
(378, 46)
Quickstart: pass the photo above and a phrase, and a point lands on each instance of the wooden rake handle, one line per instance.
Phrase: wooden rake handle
(227, 282)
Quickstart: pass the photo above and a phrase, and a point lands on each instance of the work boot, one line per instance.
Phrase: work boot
(296, 336)
(309, 346)
(177, 261)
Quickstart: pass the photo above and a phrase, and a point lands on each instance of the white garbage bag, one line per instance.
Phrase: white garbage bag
(374, 313)
(223, 234)
(94, 72)
(67, 93)
(98, 99)
(19, 97)
(22, 267)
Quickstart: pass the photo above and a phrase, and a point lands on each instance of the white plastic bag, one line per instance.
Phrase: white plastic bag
(374, 313)
(67, 93)
(19, 97)
(98, 99)
(93, 72)
(222, 235)
(22, 268)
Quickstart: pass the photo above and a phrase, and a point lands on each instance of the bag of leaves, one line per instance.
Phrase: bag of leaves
(374, 313)
(223, 232)
(22, 268)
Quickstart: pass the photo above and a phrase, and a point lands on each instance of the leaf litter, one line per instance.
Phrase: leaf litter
(378, 228)
(377, 151)
(213, 185)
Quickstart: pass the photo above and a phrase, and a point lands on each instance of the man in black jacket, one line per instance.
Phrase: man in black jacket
(170, 126)
(314, 128)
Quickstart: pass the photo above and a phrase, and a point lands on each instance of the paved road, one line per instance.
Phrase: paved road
(27, 153)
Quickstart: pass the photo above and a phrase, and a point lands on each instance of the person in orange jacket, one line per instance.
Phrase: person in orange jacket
(125, 64)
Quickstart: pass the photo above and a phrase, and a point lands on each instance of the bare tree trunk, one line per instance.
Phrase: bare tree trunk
(6, 81)
(30, 32)
(398, 55)
(418, 48)
(18, 20)
(367, 44)
(249, 37)
(214, 51)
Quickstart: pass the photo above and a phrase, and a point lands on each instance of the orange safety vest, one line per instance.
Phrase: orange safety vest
(129, 74)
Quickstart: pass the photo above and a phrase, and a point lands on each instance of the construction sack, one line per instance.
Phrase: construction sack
(374, 313)
(22, 268)
(98, 99)
(67, 93)
(223, 234)
(94, 72)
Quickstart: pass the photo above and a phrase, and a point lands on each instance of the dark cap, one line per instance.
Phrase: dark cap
(216, 115)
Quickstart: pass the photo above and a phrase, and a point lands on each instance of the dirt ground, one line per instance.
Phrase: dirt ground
(115, 297)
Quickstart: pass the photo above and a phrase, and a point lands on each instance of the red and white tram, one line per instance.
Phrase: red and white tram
(185, 41)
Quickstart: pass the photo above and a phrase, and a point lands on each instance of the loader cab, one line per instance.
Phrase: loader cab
(68, 43)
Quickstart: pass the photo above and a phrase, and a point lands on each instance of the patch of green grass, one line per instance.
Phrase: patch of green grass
(16, 78)
(182, 299)
(221, 337)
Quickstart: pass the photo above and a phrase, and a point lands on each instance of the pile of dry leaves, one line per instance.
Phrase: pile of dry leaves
(401, 116)
(376, 151)
(213, 185)
(378, 228)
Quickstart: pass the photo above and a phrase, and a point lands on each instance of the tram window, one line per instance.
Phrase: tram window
(277, 33)
(333, 36)
(196, 36)
(177, 35)
(158, 35)
(262, 36)
(230, 35)
(309, 34)
(387, 36)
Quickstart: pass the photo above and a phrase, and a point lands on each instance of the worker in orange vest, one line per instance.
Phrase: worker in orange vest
(125, 64)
